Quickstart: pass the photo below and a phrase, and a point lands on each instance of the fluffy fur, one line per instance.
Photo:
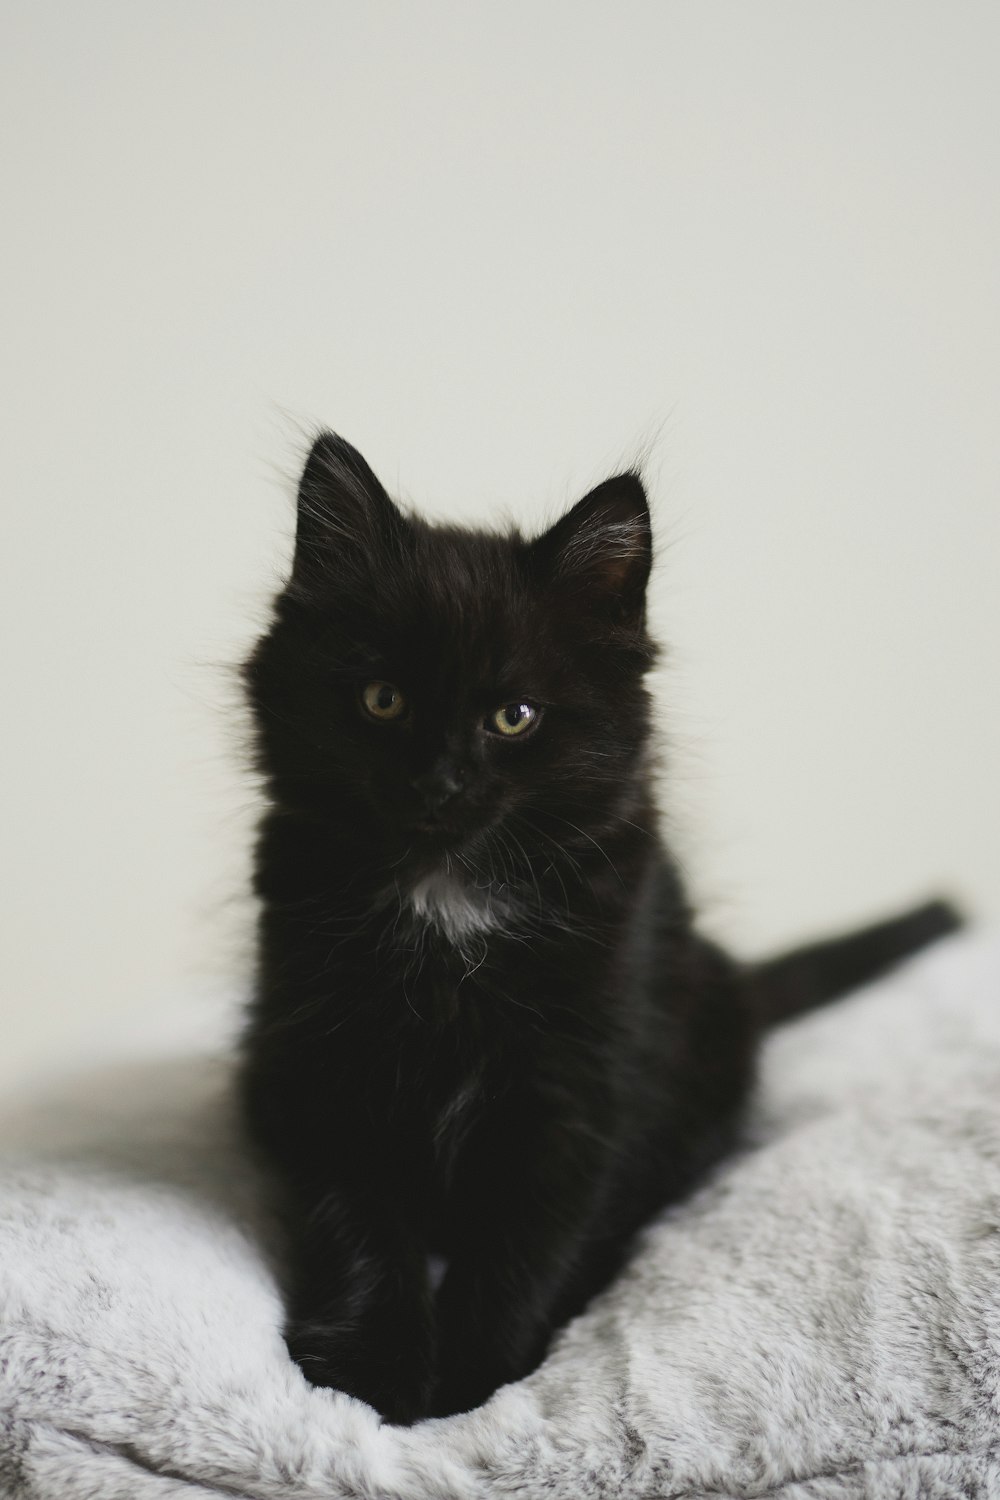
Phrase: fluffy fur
(485, 1026)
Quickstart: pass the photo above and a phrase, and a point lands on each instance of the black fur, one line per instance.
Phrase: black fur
(484, 1025)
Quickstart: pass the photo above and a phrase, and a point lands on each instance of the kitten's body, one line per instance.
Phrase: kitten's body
(484, 1025)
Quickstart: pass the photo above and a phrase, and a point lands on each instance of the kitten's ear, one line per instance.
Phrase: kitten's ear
(345, 517)
(602, 550)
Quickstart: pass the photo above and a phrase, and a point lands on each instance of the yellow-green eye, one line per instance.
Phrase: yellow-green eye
(513, 718)
(383, 701)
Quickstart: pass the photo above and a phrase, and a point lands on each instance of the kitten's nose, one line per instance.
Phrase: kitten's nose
(438, 785)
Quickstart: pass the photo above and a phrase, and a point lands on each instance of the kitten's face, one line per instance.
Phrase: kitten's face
(453, 698)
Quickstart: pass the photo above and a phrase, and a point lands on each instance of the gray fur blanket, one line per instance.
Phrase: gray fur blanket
(822, 1320)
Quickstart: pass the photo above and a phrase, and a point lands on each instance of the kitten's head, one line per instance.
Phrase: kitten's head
(435, 693)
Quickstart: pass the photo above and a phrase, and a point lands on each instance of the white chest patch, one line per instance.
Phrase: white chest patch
(456, 908)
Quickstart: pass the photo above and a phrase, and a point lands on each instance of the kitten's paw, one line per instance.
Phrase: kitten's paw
(317, 1353)
(461, 1393)
(400, 1395)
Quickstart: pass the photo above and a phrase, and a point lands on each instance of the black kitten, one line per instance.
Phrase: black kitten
(484, 1024)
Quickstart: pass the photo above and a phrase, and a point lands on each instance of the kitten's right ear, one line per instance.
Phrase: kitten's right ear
(601, 550)
(345, 518)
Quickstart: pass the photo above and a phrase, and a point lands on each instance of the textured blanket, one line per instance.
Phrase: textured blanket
(822, 1320)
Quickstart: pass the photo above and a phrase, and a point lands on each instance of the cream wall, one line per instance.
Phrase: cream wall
(500, 248)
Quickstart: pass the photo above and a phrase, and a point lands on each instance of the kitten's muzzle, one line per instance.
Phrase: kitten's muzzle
(437, 787)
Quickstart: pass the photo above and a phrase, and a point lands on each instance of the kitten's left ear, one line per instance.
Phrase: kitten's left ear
(603, 548)
(346, 520)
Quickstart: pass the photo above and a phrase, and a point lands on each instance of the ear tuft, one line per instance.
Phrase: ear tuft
(602, 549)
(344, 514)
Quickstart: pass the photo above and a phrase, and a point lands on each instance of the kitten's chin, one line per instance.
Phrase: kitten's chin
(436, 838)
(432, 849)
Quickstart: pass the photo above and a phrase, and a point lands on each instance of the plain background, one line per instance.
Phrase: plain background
(502, 249)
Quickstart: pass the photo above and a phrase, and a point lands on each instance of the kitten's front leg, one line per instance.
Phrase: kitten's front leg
(360, 1313)
(531, 1257)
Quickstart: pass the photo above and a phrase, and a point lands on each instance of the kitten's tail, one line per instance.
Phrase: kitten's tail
(808, 977)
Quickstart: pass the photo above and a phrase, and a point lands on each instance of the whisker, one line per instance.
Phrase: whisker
(589, 837)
